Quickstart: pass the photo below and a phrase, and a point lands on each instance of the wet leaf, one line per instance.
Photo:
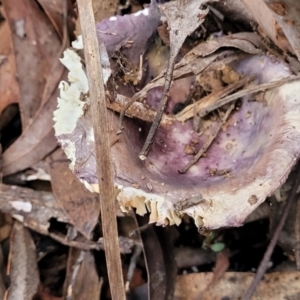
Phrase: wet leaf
(22, 266)
(81, 205)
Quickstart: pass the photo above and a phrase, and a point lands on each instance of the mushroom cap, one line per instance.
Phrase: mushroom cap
(249, 159)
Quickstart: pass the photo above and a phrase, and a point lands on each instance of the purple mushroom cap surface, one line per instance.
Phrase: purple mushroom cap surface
(249, 159)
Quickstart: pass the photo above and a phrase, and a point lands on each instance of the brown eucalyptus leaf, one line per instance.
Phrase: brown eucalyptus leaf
(268, 23)
(286, 13)
(56, 11)
(81, 205)
(9, 88)
(36, 46)
(247, 42)
(22, 266)
(2, 272)
(183, 18)
(82, 279)
(234, 11)
(277, 285)
(36, 141)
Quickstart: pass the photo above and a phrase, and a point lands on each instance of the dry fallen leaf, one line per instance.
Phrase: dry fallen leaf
(36, 141)
(82, 281)
(183, 17)
(81, 205)
(266, 19)
(36, 45)
(38, 64)
(286, 13)
(9, 89)
(2, 272)
(279, 285)
(22, 266)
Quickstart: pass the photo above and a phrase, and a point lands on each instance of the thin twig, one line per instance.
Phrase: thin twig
(136, 254)
(85, 245)
(247, 91)
(139, 229)
(250, 90)
(208, 142)
(161, 108)
(102, 149)
(264, 263)
(211, 99)
(125, 243)
(137, 110)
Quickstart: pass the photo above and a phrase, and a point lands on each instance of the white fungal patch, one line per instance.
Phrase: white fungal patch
(74, 95)
(113, 18)
(78, 44)
(144, 12)
(70, 151)
(18, 217)
(21, 206)
(70, 107)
